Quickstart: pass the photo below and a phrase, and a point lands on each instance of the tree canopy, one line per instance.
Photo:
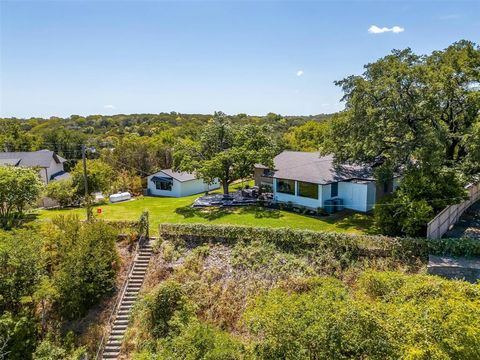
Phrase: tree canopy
(225, 151)
(19, 188)
(409, 109)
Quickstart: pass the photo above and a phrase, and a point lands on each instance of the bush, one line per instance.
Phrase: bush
(125, 181)
(62, 191)
(87, 260)
(155, 310)
(17, 335)
(420, 196)
(346, 246)
(48, 350)
(19, 188)
(21, 267)
(322, 323)
(398, 215)
(388, 316)
(198, 340)
(99, 177)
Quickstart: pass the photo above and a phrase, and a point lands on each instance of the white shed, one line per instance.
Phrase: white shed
(177, 184)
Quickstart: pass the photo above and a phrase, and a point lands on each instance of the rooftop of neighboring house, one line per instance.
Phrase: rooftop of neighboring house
(180, 176)
(40, 158)
(313, 168)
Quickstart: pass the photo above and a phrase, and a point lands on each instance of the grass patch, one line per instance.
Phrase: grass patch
(179, 210)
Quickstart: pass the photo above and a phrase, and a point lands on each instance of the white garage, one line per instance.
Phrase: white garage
(177, 184)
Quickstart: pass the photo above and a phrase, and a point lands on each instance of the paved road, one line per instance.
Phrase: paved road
(469, 224)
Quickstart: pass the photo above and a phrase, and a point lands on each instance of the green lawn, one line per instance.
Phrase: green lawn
(178, 210)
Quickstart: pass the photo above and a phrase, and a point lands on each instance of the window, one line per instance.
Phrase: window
(333, 190)
(308, 190)
(385, 187)
(163, 185)
(286, 186)
(267, 173)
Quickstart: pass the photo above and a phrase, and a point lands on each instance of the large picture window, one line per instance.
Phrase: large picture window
(164, 185)
(308, 190)
(286, 186)
(334, 190)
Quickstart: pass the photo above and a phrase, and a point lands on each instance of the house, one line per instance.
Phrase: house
(313, 181)
(177, 184)
(49, 164)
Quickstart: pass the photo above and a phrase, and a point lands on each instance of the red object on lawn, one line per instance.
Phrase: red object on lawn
(99, 210)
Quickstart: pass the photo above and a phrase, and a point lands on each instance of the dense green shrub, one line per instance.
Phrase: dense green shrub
(346, 246)
(198, 340)
(18, 335)
(156, 310)
(62, 191)
(20, 268)
(321, 324)
(389, 316)
(48, 350)
(20, 187)
(87, 265)
(420, 196)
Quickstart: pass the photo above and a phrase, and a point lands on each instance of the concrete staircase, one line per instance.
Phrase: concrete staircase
(134, 283)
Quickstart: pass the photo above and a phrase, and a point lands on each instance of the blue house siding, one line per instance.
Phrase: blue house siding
(296, 199)
(359, 196)
(180, 188)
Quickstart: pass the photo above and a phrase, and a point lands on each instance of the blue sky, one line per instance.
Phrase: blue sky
(88, 57)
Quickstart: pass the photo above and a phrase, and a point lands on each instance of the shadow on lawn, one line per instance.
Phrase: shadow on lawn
(349, 219)
(213, 213)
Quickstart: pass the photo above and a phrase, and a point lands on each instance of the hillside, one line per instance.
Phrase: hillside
(270, 296)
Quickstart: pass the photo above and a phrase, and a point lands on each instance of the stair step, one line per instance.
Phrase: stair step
(127, 305)
(110, 355)
(112, 348)
(116, 344)
(128, 302)
(133, 288)
(122, 313)
(120, 326)
(118, 334)
(120, 323)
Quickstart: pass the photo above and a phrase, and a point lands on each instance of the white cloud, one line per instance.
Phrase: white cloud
(299, 72)
(109, 106)
(374, 29)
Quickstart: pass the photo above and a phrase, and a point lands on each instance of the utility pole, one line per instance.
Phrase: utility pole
(87, 197)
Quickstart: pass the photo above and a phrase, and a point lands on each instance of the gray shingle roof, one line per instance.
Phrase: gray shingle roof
(40, 158)
(313, 168)
(180, 176)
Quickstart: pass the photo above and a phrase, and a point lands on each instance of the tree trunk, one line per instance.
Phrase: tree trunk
(225, 188)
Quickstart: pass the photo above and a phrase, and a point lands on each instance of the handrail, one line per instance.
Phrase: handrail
(119, 299)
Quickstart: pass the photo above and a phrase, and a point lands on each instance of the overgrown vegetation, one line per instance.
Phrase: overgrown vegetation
(49, 276)
(239, 293)
(19, 189)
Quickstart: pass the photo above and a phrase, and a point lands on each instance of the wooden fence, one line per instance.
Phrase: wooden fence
(451, 214)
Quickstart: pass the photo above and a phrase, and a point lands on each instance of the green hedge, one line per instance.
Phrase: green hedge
(301, 240)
